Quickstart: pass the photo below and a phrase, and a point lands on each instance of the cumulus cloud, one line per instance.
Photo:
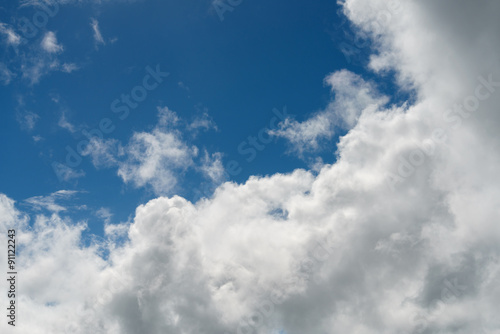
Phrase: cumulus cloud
(344, 250)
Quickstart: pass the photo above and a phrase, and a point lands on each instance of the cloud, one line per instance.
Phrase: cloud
(97, 33)
(49, 43)
(37, 62)
(31, 59)
(65, 124)
(213, 168)
(167, 117)
(65, 173)
(11, 36)
(27, 119)
(37, 138)
(104, 153)
(183, 86)
(69, 67)
(49, 202)
(202, 122)
(337, 251)
(352, 97)
(155, 159)
(105, 214)
(5, 74)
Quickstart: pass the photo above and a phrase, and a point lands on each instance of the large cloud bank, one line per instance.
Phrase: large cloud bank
(400, 235)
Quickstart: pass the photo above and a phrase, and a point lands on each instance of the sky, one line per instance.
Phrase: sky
(232, 166)
(227, 71)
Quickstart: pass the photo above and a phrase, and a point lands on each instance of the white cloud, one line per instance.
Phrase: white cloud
(5, 74)
(27, 119)
(37, 138)
(212, 167)
(203, 122)
(49, 43)
(65, 173)
(104, 153)
(39, 60)
(105, 214)
(334, 252)
(49, 202)
(69, 67)
(167, 117)
(155, 159)
(352, 97)
(65, 124)
(97, 33)
(11, 36)
(35, 66)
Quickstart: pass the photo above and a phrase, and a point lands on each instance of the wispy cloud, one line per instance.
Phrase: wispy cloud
(352, 97)
(11, 37)
(69, 67)
(39, 60)
(50, 202)
(65, 124)
(5, 74)
(202, 121)
(27, 119)
(105, 214)
(65, 173)
(97, 33)
(37, 138)
(213, 168)
(183, 86)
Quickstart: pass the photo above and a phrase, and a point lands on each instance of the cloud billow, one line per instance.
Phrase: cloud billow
(338, 251)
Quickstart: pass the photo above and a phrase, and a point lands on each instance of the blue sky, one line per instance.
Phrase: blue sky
(262, 56)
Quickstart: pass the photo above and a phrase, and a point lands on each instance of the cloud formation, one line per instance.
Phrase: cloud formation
(97, 33)
(50, 202)
(156, 158)
(352, 97)
(340, 251)
(49, 43)
(11, 37)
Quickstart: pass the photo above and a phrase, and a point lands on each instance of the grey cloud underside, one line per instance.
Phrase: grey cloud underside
(364, 246)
